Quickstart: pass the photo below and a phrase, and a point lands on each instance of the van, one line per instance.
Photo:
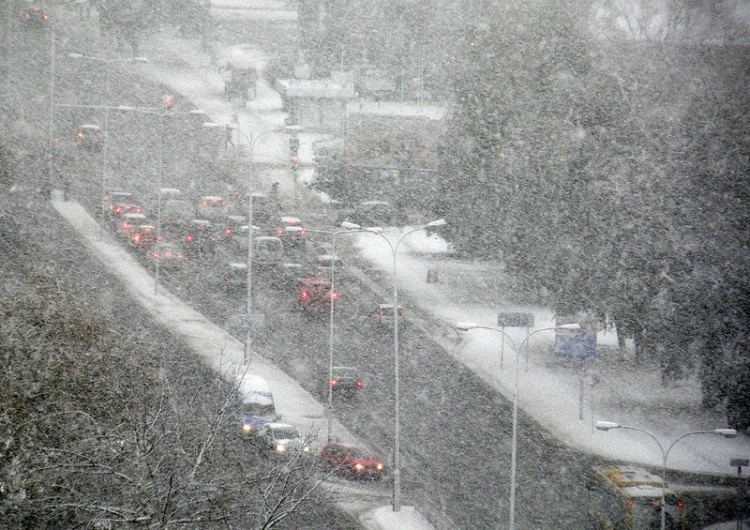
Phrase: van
(256, 403)
(268, 252)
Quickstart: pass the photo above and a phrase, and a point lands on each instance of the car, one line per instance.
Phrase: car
(373, 213)
(345, 380)
(168, 255)
(291, 232)
(268, 252)
(90, 137)
(287, 275)
(265, 209)
(176, 213)
(199, 237)
(324, 264)
(230, 226)
(213, 207)
(35, 17)
(315, 293)
(351, 461)
(257, 407)
(384, 314)
(127, 223)
(119, 204)
(282, 439)
(143, 236)
(235, 276)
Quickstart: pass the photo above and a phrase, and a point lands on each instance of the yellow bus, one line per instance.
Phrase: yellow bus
(635, 501)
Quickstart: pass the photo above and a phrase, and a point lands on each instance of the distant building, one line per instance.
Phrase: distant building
(317, 105)
(393, 134)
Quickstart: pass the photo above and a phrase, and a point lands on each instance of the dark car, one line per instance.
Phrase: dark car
(90, 137)
(326, 264)
(291, 232)
(287, 276)
(384, 314)
(345, 380)
(373, 213)
(235, 277)
(168, 255)
(35, 17)
(351, 461)
(199, 237)
(142, 236)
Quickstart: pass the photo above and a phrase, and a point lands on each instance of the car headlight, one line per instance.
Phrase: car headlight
(379, 467)
(280, 448)
(247, 427)
(305, 448)
(358, 467)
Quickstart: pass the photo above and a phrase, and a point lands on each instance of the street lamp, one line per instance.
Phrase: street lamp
(161, 113)
(106, 107)
(608, 425)
(514, 438)
(466, 326)
(396, 374)
(251, 185)
(350, 228)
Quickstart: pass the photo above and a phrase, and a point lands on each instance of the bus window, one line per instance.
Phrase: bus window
(634, 501)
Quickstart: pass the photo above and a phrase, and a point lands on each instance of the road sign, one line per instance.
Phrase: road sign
(515, 320)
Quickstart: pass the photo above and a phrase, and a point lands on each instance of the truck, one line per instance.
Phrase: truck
(239, 83)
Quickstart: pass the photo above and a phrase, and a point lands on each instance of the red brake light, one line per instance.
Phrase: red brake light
(358, 383)
(304, 295)
(335, 295)
(136, 238)
(226, 277)
(334, 382)
(279, 231)
(189, 238)
(228, 231)
(380, 314)
(155, 255)
(303, 232)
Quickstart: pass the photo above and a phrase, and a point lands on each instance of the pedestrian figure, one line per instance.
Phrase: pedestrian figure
(273, 197)
(228, 137)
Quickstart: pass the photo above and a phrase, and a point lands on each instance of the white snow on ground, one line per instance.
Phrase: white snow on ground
(557, 392)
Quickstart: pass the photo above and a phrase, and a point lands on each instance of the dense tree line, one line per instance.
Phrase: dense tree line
(601, 151)
(106, 417)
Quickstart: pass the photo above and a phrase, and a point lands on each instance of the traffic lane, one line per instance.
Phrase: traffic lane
(455, 431)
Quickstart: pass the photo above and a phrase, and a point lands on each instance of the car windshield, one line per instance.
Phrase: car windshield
(284, 433)
(257, 409)
(357, 452)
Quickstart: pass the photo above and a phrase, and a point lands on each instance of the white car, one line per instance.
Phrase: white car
(283, 439)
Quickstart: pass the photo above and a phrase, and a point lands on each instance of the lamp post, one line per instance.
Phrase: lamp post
(251, 184)
(514, 438)
(161, 113)
(467, 326)
(396, 369)
(350, 228)
(608, 425)
(106, 108)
